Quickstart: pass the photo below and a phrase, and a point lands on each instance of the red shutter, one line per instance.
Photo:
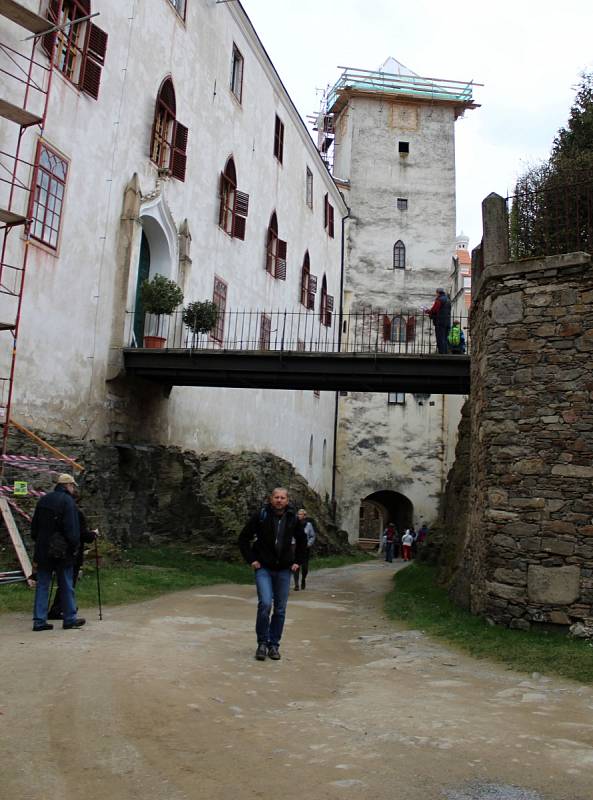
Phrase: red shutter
(93, 60)
(49, 40)
(310, 300)
(329, 307)
(325, 211)
(240, 212)
(221, 194)
(410, 329)
(386, 328)
(280, 273)
(330, 226)
(179, 151)
(313, 284)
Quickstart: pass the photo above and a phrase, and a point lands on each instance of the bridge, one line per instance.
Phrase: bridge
(362, 352)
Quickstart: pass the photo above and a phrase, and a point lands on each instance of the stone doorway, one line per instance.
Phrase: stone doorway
(382, 507)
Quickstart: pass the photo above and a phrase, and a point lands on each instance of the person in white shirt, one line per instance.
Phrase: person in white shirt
(407, 540)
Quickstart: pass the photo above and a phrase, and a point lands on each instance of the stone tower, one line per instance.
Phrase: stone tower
(392, 137)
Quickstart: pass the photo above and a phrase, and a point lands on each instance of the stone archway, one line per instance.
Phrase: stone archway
(379, 508)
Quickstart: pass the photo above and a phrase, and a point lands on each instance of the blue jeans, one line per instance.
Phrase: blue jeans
(272, 588)
(65, 574)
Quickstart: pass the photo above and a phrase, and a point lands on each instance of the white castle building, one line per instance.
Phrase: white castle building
(164, 142)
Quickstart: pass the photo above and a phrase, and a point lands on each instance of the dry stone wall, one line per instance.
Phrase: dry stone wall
(529, 553)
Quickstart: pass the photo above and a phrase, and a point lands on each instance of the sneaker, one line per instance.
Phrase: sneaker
(45, 627)
(78, 623)
(274, 653)
(261, 652)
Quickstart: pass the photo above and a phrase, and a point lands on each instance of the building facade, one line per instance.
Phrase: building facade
(394, 158)
(169, 146)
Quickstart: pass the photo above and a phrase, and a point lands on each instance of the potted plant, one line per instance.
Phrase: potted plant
(160, 296)
(200, 317)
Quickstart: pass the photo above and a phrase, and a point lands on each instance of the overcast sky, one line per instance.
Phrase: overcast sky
(528, 53)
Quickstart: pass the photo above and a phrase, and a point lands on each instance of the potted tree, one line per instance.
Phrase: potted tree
(200, 317)
(160, 296)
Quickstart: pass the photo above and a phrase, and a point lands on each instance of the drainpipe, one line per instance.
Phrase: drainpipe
(340, 321)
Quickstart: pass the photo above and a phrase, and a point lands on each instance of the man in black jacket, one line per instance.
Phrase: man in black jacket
(266, 544)
(56, 533)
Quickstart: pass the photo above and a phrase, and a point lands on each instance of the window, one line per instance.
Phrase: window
(328, 216)
(309, 188)
(234, 205)
(399, 255)
(179, 6)
(404, 147)
(327, 305)
(324, 454)
(279, 139)
(219, 300)
(78, 49)
(168, 147)
(399, 329)
(47, 195)
(308, 284)
(265, 332)
(311, 451)
(275, 251)
(237, 73)
(402, 204)
(396, 399)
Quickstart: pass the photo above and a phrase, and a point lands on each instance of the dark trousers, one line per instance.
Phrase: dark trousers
(303, 571)
(442, 332)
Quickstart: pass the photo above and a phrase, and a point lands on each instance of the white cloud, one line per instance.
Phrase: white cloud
(528, 53)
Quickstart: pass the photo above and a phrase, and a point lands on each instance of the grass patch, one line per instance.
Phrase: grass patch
(417, 601)
(146, 572)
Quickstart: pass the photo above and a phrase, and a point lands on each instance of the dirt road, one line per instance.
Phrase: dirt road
(164, 700)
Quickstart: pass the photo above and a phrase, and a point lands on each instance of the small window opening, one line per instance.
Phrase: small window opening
(402, 204)
(404, 147)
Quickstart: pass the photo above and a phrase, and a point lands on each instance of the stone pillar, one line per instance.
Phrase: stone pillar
(495, 243)
(530, 543)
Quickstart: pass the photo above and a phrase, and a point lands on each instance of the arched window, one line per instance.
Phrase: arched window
(308, 284)
(311, 451)
(169, 137)
(275, 251)
(399, 255)
(234, 205)
(77, 49)
(327, 305)
(324, 453)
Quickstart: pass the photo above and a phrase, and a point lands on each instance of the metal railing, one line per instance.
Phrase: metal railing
(554, 219)
(368, 331)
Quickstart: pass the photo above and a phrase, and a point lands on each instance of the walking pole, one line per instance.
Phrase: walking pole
(97, 573)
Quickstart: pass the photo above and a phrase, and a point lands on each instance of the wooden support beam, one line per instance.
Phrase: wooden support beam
(15, 536)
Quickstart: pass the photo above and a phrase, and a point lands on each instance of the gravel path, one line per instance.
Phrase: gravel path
(165, 700)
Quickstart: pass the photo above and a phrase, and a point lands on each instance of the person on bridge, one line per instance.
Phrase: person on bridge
(311, 535)
(266, 545)
(456, 339)
(440, 314)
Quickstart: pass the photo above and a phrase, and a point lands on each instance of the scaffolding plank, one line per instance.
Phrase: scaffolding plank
(14, 534)
(10, 218)
(18, 114)
(23, 17)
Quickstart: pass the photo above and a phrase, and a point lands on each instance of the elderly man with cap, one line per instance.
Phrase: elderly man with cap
(56, 532)
(440, 314)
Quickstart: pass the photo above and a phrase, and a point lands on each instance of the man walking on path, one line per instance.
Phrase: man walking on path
(266, 544)
(389, 533)
(56, 532)
(311, 536)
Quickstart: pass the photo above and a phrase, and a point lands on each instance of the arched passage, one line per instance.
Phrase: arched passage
(379, 508)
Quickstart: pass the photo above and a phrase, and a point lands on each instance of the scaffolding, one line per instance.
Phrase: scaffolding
(24, 98)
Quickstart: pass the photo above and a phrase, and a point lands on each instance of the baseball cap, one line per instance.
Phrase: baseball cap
(65, 478)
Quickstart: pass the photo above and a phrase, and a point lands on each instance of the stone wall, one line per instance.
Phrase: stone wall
(529, 554)
(148, 494)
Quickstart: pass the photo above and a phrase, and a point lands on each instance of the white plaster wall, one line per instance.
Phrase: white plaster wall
(72, 296)
(382, 447)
